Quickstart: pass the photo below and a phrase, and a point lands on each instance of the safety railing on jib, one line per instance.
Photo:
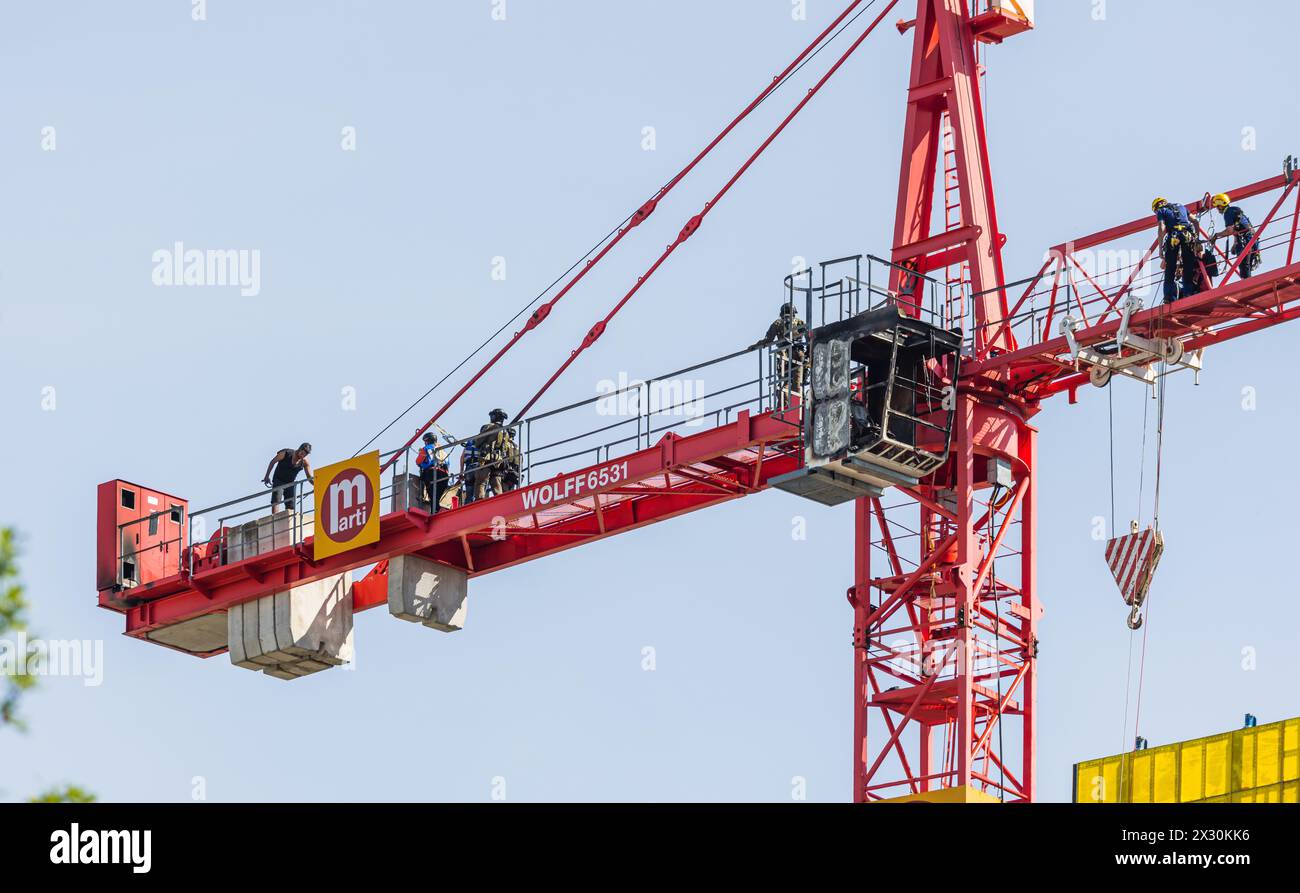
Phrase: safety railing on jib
(1091, 279)
(626, 415)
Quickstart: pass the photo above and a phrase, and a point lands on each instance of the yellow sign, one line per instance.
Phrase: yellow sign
(347, 506)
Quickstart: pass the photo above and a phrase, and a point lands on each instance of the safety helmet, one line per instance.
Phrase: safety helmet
(1221, 201)
(428, 437)
(787, 309)
(498, 415)
(1159, 203)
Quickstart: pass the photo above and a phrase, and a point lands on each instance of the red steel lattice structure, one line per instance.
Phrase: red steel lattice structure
(945, 596)
(944, 592)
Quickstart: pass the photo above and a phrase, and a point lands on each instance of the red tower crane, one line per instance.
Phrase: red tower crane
(944, 592)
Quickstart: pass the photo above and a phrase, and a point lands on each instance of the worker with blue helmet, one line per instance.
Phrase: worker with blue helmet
(432, 463)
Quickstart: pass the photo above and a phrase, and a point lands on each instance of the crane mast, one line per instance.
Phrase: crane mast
(945, 639)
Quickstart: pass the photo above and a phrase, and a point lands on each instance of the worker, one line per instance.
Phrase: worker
(789, 336)
(471, 472)
(1242, 232)
(432, 463)
(512, 472)
(500, 455)
(287, 463)
(1179, 249)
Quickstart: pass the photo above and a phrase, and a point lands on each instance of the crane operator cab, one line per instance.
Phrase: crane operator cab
(878, 408)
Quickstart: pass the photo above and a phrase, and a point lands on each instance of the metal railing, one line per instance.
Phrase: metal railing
(839, 289)
(623, 417)
(1078, 282)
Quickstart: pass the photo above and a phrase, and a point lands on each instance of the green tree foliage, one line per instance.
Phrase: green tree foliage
(13, 618)
(66, 794)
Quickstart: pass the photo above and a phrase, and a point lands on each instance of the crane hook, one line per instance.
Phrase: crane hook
(1135, 618)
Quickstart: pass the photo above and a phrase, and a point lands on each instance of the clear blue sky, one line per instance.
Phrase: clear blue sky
(523, 139)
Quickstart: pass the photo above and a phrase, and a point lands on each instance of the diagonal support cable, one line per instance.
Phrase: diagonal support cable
(640, 216)
(692, 226)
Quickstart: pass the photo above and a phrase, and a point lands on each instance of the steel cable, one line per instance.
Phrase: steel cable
(616, 235)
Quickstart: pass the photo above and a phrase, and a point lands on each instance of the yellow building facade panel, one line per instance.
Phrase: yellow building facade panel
(1252, 765)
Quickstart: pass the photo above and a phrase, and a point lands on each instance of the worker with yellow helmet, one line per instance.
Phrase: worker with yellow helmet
(1179, 249)
(1242, 232)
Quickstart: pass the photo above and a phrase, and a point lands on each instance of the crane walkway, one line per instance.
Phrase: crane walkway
(1070, 329)
(591, 470)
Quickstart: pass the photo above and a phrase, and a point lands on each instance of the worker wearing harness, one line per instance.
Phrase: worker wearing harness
(1179, 249)
(500, 456)
(287, 463)
(1242, 232)
(433, 470)
(789, 336)
(471, 472)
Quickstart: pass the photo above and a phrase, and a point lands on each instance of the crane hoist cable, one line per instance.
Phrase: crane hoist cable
(1128, 680)
(1160, 439)
(1161, 387)
(630, 223)
(693, 225)
(1110, 399)
(1142, 476)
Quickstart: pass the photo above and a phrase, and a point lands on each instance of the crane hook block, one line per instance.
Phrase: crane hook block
(1133, 559)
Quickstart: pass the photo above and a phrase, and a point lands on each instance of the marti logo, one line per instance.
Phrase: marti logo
(349, 502)
(347, 506)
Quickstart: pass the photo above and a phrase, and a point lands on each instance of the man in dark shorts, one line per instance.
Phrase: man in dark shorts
(286, 464)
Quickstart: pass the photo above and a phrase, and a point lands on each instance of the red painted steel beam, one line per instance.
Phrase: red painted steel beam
(944, 241)
(182, 598)
(623, 517)
(1148, 221)
(1242, 291)
(945, 79)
